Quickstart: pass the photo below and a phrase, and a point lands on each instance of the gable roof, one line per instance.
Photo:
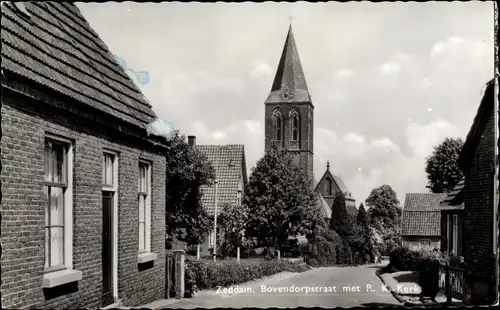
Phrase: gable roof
(421, 216)
(325, 208)
(55, 47)
(455, 198)
(486, 108)
(289, 75)
(231, 166)
(337, 180)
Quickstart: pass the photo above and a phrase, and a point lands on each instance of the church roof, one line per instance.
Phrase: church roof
(230, 168)
(340, 183)
(289, 83)
(325, 208)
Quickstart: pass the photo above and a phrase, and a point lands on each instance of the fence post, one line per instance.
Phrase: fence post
(238, 254)
(179, 273)
(447, 283)
(279, 255)
(198, 252)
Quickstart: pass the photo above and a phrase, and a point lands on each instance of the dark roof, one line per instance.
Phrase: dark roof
(289, 75)
(55, 47)
(340, 183)
(229, 169)
(421, 215)
(484, 112)
(456, 196)
(423, 202)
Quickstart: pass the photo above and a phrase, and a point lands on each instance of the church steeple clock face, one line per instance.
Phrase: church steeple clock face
(287, 93)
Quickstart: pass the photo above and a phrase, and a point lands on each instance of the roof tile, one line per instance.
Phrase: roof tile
(56, 47)
(421, 215)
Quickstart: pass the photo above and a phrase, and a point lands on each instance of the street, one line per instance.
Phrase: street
(321, 287)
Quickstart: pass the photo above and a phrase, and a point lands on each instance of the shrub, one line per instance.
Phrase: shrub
(404, 259)
(202, 274)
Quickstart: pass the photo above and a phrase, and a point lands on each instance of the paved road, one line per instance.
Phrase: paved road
(365, 289)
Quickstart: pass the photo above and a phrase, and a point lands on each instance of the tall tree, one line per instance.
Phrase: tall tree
(280, 200)
(384, 206)
(362, 216)
(340, 220)
(186, 171)
(442, 168)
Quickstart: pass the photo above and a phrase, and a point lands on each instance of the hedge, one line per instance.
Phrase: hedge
(404, 259)
(201, 275)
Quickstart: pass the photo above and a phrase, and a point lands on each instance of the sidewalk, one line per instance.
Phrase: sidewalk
(212, 294)
(404, 287)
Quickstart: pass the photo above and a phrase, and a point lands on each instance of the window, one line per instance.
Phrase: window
(448, 234)
(328, 186)
(455, 234)
(58, 212)
(278, 124)
(294, 116)
(144, 207)
(238, 201)
(108, 173)
(425, 243)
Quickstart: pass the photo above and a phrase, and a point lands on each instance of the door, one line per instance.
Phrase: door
(107, 248)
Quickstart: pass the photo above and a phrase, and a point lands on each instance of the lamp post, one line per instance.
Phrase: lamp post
(215, 198)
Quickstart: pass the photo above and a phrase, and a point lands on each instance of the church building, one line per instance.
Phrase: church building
(289, 125)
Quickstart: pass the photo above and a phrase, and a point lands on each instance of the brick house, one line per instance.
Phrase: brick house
(83, 185)
(421, 221)
(231, 173)
(479, 242)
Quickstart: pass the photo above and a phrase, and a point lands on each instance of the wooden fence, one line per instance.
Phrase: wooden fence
(456, 281)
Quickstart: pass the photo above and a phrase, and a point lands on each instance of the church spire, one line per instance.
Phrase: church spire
(289, 82)
(328, 165)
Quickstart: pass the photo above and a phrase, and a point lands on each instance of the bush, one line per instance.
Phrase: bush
(404, 259)
(429, 273)
(202, 274)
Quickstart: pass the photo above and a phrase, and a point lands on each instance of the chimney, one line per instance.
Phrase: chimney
(192, 140)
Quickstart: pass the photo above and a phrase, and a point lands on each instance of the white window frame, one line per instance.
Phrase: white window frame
(114, 229)
(145, 254)
(424, 240)
(448, 234)
(55, 277)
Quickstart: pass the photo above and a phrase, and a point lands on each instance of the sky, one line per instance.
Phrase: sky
(389, 81)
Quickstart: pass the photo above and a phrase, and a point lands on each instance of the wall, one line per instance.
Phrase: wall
(22, 154)
(478, 215)
(413, 242)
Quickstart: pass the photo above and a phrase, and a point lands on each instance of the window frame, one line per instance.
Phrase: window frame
(295, 128)
(455, 234)
(278, 124)
(421, 242)
(147, 208)
(67, 186)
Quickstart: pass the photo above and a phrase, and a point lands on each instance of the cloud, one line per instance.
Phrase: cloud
(345, 73)
(458, 47)
(261, 68)
(368, 163)
(390, 68)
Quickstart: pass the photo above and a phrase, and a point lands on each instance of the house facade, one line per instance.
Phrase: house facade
(421, 221)
(479, 240)
(231, 174)
(83, 185)
(452, 208)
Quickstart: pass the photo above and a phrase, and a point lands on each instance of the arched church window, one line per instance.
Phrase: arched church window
(295, 126)
(278, 124)
(329, 187)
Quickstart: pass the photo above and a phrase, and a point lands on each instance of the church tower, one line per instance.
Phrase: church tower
(289, 112)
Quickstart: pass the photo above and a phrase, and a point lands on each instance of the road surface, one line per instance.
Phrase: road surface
(321, 287)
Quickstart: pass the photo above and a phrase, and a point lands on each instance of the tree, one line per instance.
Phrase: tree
(362, 216)
(280, 200)
(384, 206)
(442, 168)
(340, 220)
(186, 171)
(233, 220)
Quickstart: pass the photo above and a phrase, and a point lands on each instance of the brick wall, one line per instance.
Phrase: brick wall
(22, 238)
(304, 158)
(478, 213)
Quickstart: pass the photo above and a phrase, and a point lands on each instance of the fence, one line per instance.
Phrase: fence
(456, 281)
